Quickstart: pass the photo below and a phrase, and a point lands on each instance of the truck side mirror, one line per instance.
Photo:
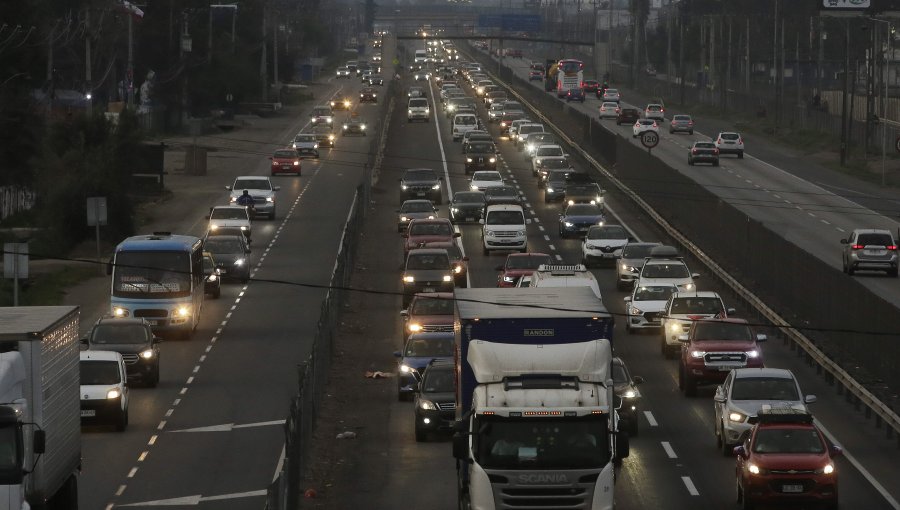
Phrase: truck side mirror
(457, 234)
(695, 275)
(460, 446)
(809, 399)
(404, 313)
(637, 380)
(731, 311)
(397, 354)
(760, 337)
(40, 442)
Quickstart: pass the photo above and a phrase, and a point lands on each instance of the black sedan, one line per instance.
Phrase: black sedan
(480, 156)
(368, 95)
(703, 152)
(467, 206)
(354, 126)
(502, 195)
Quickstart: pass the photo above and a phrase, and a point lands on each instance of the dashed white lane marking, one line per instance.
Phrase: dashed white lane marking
(152, 440)
(811, 214)
(669, 451)
(825, 221)
(546, 238)
(559, 257)
(552, 248)
(691, 488)
(162, 424)
(120, 490)
(840, 229)
(537, 220)
(143, 456)
(132, 472)
(651, 419)
(776, 195)
(541, 228)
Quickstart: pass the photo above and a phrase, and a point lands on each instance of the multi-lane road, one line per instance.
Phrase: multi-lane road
(673, 463)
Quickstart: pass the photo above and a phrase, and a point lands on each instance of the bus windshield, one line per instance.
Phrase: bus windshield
(152, 274)
(570, 66)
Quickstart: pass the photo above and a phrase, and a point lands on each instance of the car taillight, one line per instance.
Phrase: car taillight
(694, 151)
(857, 246)
(740, 140)
(690, 123)
(891, 247)
(654, 124)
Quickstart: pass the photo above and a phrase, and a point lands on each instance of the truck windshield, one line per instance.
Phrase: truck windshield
(541, 443)
(152, 274)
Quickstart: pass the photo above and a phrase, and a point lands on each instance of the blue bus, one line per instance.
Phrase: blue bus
(159, 277)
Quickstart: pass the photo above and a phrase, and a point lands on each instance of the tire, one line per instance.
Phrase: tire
(153, 380)
(691, 132)
(850, 269)
(741, 155)
(690, 162)
(893, 272)
(745, 502)
(66, 498)
(634, 427)
(121, 422)
(690, 385)
(662, 345)
(726, 449)
(715, 163)
(217, 293)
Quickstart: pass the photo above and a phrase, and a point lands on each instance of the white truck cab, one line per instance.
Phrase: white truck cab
(504, 228)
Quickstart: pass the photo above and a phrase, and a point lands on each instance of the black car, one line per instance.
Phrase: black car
(467, 206)
(502, 195)
(354, 126)
(584, 193)
(368, 95)
(212, 282)
(555, 185)
(132, 338)
(426, 270)
(628, 116)
(232, 255)
(703, 152)
(435, 402)
(376, 79)
(421, 183)
(480, 156)
(550, 165)
(626, 389)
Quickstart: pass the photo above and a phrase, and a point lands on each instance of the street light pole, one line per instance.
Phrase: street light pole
(884, 92)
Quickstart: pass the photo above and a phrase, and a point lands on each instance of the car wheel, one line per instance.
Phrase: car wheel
(122, 420)
(217, 293)
(741, 155)
(634, 426)
(690, 384)
(893, 272)
(690, 162)
(716, 163)
(850, 269)
(691, 132)
(421, 435)
(746, 502)
(153, 380)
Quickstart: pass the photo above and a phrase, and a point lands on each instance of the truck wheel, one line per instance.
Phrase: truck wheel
(690, 385)
(66, 498)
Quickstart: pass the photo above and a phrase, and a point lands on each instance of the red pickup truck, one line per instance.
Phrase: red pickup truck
(712, 348)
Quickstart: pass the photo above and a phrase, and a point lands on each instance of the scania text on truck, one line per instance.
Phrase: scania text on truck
(40, 409)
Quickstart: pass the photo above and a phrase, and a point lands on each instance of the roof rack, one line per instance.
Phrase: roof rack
(562, 270)
(783, 414)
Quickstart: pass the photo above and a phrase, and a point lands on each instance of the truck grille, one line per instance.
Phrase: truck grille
(725, 358)
(437, 328)
(549, 498)
(150, 312)
(130, 359)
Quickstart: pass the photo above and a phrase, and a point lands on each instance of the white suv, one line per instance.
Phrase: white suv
(417, 109)
(681, 309)
(229, 216)
(260, 188)
(730, 143)
(645, 305)
(665, 266)
(503, 228)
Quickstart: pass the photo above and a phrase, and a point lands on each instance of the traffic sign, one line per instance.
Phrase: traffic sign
(511, 22)
(649, 139)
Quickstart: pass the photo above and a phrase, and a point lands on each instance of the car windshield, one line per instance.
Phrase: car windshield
(287, 154)
(430, 229)
(501, 191)
(322, 111)
(584, 210)
(554, 163)
(727, 331)
(420, 175)
(546, 138)
(536, 444)
(431, 306)
(527, 261)
(152, 274)
(505, 218)
(416, 206)
(487, 176)
(305, 138)
(527, 129)
(665, 271)
(637, 251)
(428, 261)
(582, 190)
(481, 147)
(228, 213)
(681, 117)
(468, 198)
(698, 305)
(874, 240)
(262, 184)
(465, 120)
(208, 265)
(418, 102)
(729, 136)
(788, 440)
(119, 334)
(610, 105)
(653, 293)
(439, 381)
(222, 245)
(99, 372)
(705, 145)
(549, 151)
(764, 388)
(646, 122)
(607, 232)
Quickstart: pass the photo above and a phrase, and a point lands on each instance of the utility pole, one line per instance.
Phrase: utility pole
(775, 64)
(701, 82)
(263, 71)
(88, 86)
(681, 49)
(209, 37)
(596, 32)
(797, 71)
(747, 59)
(727, 80)
(51, 86)
(184, 75)
(669, 51)
(870, 89)
(609, 43)
(275, 58)
(780, 112)
(845, 100)
(129, 69)
(820, 60)
(713, 24)
(634, 49)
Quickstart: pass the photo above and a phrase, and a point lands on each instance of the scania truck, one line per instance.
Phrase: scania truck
(40, 409)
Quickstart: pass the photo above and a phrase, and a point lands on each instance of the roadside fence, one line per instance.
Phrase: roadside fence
(14, 199)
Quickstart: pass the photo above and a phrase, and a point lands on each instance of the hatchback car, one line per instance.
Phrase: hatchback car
(424, 231)
(740, 398)
(322, 115)
(642, 126)
(545, 151)
(576, 94)
(224, 216)
(414, 210)
(555, 185)
(212, 281)
(626, 389)
(467, 206)
(368, 95)
(133, 338)
(518, 265)
(285, 161)
(682, 308)
(535, 140)
(417, 352)
(869, 249)
(577, 219)
(603, 244)
(645, 306)
(730, 143)
(681, 123)
(104, 391)
(703, 152)
(610, 95)
(306, 145)
(655, 111)
(353, 126)
(324, 136)
(435, 402)
(609, 110)
(426, 270)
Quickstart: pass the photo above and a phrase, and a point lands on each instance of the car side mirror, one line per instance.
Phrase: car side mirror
(404, 313)
(465, 259)
(627, 299)
(481, 221)
(683, 338)
(809, 399)
(695, 275)
(637, 380)
(83, 341)
(398, 354)
(719, 397)
(730, 311)
(457, 234)
(760, 337)
(228, 188)
(206, 217)
(836, 450)
(739, 451)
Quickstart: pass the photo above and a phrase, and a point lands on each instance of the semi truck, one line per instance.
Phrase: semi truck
(535, 409)
(40, 410)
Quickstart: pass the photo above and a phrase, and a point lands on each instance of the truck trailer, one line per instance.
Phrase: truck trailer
(40, 415)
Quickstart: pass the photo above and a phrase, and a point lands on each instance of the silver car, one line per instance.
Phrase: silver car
(870, 249)
(630, 263)
(745, 391)
(681, 123)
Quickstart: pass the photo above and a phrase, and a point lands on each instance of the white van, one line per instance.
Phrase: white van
(421, 57)
(463, 123)
(417, 109)
(503, 228)
(565, 276)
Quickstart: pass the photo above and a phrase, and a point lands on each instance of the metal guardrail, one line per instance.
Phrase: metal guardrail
(853, 387)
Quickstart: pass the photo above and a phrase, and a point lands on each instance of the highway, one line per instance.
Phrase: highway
(674, 463)
(211, 435)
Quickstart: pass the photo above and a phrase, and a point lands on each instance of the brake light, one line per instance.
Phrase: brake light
(891, 247)
(690, 123)
(693, 151)
(857, 246)
(654, 124)
(740, 140)
(662, 110)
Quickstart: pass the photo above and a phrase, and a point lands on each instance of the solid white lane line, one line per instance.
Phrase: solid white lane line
(651, 419)
(669, 451)
(691, 488)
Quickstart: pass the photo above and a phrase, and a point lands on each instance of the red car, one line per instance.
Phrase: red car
(590, 86)
(535, 74)
(786, 459)
(422, 232)
(429, 313)
(518, 265)
(712, 348)
(285, 161)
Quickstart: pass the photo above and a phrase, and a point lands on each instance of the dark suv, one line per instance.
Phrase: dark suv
(628, 116)
(134, 340)
(435, 402)
(480, 156)
(421, 183)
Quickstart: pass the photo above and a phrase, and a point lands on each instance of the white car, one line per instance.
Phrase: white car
(463, 122)
(612, 95)
(514, 128)
(260, 188)
(484, 179)
(603, 243)
(445, 90)
(342, 72)
(306, 144)
(645, 305)
(495, 112)
(609, 110)
(730, 143)
(545, 151)
(642, 126)
(743, 394)
(523, 131)
(235, 216)
(655, 111)
(104, 392)
(682, 309)
(417, 109)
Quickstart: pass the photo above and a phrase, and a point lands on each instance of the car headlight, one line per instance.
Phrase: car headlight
(753, 468)
(345, 126)
(330, 138)
(600, 223)
(492, 160)
(569, 224)
(529, 148)
(698, 354)
(468, 160)
(571, 202)
(447, 278)
(239, 262)
(270, 199)
(753, 354)
(427, 110)
(689, 286)
(346, 104)
(328, 121)
(537, 161)
(675, 327)
(737, 417)
(182, 311)
(636, 311)
(629, 394)
(409, 279)
(520, 233)
(454, 209)
(312, 119)
(427, 405)
(457, 269)
(232, 199)
(406, 369)
(212, 277)
(121, 312)
(315, 146)
(431, 217)
(550, 190)
(414, 327)
(113, 393)
(362, 127)
(148, 354)
(409, 111)
(489, 233)
(827, 469)
(436, 186)
(403, 186)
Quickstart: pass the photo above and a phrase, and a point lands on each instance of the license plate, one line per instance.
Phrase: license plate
(873, 252)
(88, 413)
(726, 369)
(429, 289)
(420, 194)
(286, 167)
(791, 488)
(469, 218)
(152, 322)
